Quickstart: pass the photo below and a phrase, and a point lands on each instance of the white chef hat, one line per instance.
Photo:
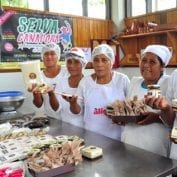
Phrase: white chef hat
(163, 52)
(51, 47)
(77, 54)
(104, 49)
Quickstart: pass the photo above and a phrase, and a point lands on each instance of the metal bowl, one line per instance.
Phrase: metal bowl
(11, 100)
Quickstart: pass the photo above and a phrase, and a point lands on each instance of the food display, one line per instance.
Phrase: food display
(127, 110)
(54, 158)
(29, 121)
(18, 148)
(43, 154)
(20, 132)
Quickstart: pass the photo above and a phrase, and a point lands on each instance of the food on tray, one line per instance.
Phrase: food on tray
(34, 124)
(92, 152)
(127, 107)
(44, 120)
(23, 132)
(37, 122)
(174, 104)
(55, 155)
(31, 73)
(18, 149)
(64, 138)
(69, 95)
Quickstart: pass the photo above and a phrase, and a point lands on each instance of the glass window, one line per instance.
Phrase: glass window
(14, 3)
(163, 4)
(36, 4)
(97, 9)
(73, 7)
(138, 7)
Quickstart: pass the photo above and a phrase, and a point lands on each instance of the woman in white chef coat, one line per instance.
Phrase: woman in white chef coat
(53, 71)
(98, 90)
(75, 63)
(165, 105)
(151, 133)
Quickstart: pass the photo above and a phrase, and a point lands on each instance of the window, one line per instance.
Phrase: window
(73, 7)
(14, 3)
(97, 9)
(32, 4)
(146, 6)
(140, 9)
(163, 4)
(91, 8)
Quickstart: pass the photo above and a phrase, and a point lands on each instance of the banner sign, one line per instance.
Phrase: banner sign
(24, 34)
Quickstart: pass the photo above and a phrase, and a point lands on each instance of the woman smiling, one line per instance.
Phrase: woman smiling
(150, 133)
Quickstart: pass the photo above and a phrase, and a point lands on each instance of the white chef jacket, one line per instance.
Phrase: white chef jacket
(52, 82)
(96, 98)
(172, 94)
(153, 137)
(64, 107)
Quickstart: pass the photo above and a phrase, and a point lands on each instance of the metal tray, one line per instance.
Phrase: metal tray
(53, 172)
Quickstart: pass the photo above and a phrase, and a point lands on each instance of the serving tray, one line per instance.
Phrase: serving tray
(54, 171)
(126, 119)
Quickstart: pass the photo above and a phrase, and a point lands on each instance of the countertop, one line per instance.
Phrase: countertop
(119, 159)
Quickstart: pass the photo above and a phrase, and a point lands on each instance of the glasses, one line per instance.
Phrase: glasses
(151, 62)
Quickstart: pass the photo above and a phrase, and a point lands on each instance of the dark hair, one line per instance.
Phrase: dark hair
(162, 65)
(161, 62)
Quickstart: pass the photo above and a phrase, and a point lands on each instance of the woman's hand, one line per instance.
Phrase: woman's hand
(150, 118)
(69, 98)
(156, 102)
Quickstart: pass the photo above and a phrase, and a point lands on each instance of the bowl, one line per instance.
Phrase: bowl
(11, 100)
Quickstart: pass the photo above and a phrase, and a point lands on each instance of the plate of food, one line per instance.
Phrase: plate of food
(126, 111)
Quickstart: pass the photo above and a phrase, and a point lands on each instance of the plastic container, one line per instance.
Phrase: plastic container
(154, 90)
(31, 73)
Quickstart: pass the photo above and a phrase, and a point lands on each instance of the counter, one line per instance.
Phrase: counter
(119, 159)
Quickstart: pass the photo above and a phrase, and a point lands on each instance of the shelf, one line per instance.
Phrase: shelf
(132, 45)
(147, 34)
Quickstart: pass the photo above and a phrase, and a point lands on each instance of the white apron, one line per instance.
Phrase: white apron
(94, 115)
(173, 151)
(153, 137)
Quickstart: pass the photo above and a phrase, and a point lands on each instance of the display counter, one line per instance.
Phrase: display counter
(118, 160)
